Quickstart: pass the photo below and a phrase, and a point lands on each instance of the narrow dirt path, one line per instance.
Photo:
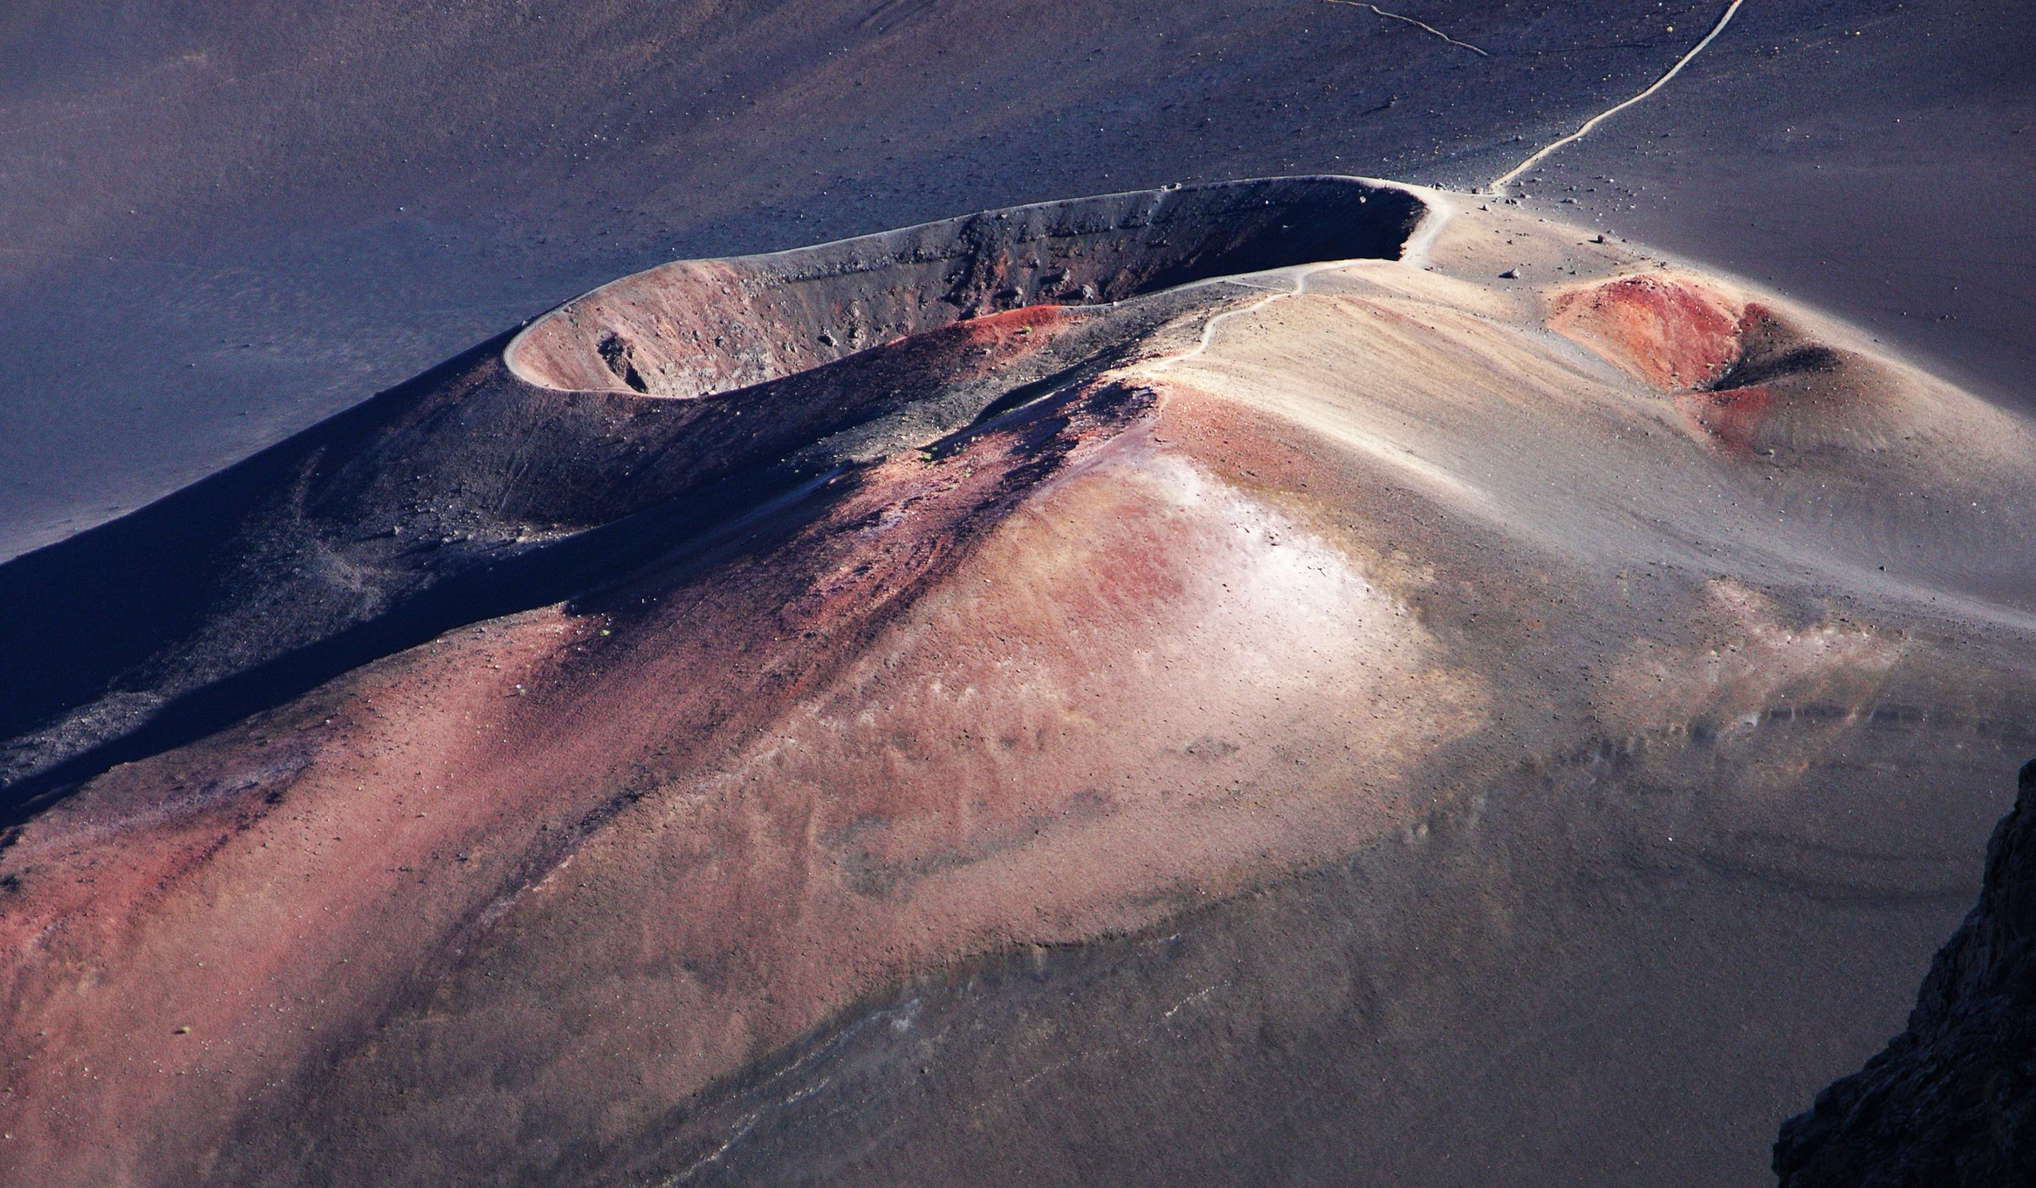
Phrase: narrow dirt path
(1422, 25)
(1499, 184)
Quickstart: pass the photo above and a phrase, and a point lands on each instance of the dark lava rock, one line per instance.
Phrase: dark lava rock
(1953, 1099)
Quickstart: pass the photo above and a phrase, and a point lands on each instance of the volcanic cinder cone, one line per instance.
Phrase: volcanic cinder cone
(1171, 685)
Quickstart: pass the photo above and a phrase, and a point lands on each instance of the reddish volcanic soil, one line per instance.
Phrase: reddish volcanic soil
(1670, 332)
(1196, 684)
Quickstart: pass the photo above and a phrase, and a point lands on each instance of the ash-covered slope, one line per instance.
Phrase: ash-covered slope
(1375, 718)
(479, 488)
(1952, 1100)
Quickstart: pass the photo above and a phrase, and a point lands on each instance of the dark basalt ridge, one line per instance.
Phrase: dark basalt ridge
(1952, 1100)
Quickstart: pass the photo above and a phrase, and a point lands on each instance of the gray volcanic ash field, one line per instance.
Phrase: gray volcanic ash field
(1305, 679)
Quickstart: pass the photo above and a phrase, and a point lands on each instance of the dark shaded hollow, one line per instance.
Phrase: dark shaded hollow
(700, 327)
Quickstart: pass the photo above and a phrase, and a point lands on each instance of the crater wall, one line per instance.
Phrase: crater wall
(698, 327)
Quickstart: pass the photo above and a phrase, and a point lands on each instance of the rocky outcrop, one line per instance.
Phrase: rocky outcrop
(1953, 1099)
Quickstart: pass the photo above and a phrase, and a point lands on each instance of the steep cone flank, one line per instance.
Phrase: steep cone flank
(473, 490)
(1308, 721)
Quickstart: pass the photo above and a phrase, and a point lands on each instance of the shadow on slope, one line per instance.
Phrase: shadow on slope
(469, 492)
